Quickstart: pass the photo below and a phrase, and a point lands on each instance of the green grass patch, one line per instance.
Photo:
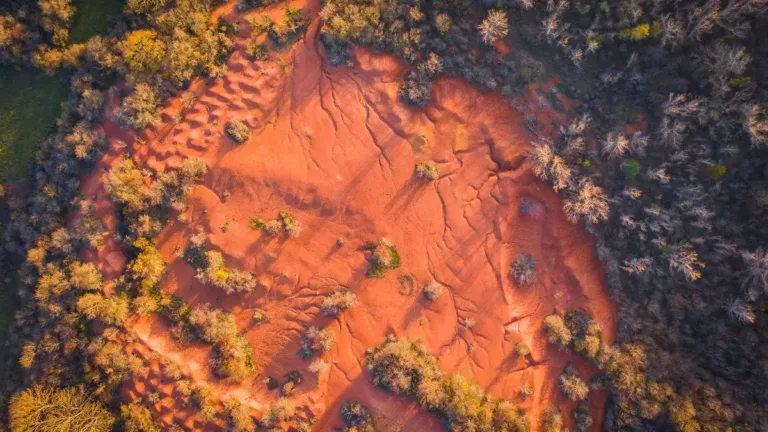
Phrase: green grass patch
(92, 18)
(30, 103)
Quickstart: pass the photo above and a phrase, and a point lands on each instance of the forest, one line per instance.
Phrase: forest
(662, 160)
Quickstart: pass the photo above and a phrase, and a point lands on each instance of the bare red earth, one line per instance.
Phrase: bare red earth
(337, 148)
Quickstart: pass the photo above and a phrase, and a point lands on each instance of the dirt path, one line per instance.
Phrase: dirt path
(337, 148)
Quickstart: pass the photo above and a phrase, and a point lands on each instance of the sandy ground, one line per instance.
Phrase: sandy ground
(337, 148)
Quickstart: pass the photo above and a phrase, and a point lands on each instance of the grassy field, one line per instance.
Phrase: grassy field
(92, 18)
(30, 103)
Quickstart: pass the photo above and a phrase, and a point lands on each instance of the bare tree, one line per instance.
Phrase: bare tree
(741, 311)
(589, 203)
(674, 33)
(755, 275)
(494, 27)
(686, 260)
(756, 123)
(615, 145)
(541, 155)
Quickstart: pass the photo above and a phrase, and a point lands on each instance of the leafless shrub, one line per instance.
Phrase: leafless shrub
(741, 311)
(686, 260)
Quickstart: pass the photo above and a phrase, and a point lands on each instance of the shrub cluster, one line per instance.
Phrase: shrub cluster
(523, 270)
(239, 416)
(232, 358)
(238, 131)
(137, 417)
(432, 291)
(286, 223)
(405, 368)
(211, 269)
(572, 385)
(315, 339)
(337, 302)
(576, 330)
(427, 170)
(51, 409)
(293, 24)
(357, 417)
(384, 257)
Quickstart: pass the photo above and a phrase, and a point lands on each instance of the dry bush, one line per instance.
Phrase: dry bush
(280, 410)
(213, 324)
(572, 385)
(238, 131)
(432, 291)
(427, 170)
(220, 276)
(43, 409)
(357, 417)
(384, 257)
(319, 366)
(523, 270)
(239, 416)
(551, 420)
(588, 203)
(557, 332)
(521, 349)
(401, 366)
(315, 339)
(337, 302)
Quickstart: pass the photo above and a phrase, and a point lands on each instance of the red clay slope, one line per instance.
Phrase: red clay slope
(337, 148)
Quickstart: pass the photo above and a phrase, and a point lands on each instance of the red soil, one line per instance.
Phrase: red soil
(337, 148)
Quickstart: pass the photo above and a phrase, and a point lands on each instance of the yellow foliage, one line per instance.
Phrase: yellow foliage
(640, 31)
(41, 409)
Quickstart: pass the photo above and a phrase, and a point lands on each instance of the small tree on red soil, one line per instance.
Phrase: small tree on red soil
(523, 270)
(238, 131)
(338, 302)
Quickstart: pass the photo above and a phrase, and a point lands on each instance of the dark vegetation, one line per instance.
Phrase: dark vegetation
(357, 417)
(678, 200)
